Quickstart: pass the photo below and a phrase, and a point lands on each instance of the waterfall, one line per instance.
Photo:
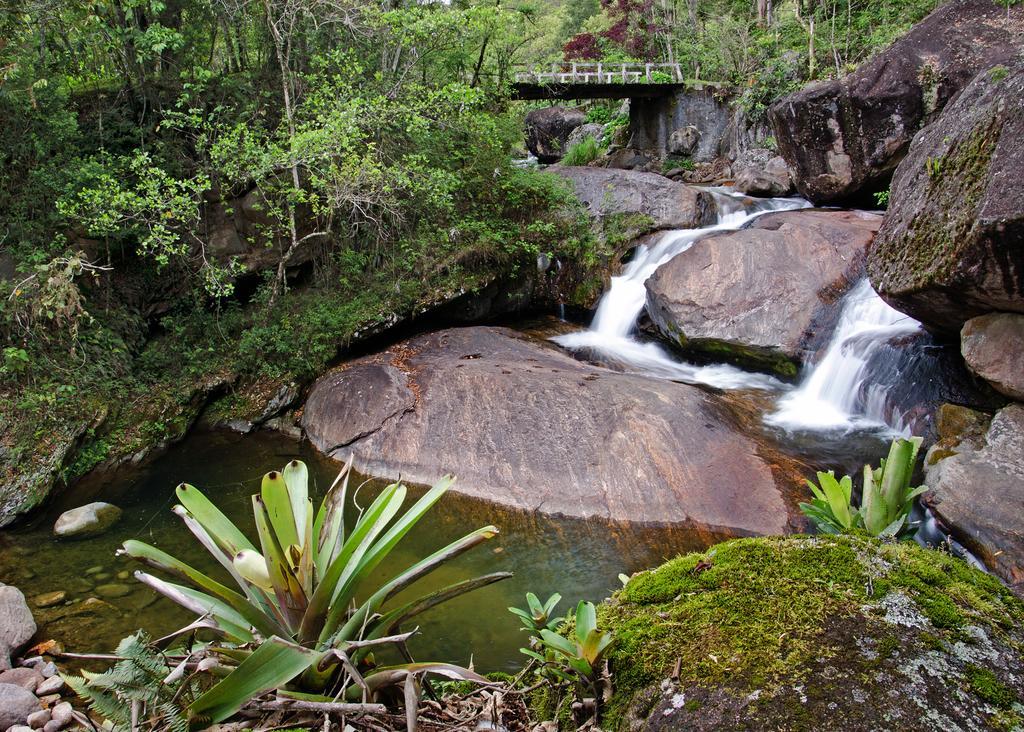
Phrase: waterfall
(611, 335)
(837, 393)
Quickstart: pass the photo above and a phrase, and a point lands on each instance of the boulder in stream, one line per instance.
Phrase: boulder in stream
(993, 347)
(765, 294)
(86, 521)
(610, 192)
(761, 172)
(952, 243)
(17, 626)
(846, 136)
(977, 490)
(548, 130)
(523, 424)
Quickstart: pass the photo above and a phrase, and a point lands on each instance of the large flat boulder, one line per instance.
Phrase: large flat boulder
(993, 347)
(977, 489)
(523, 424)
(762, 295)
(608, 192)
(846, 136)
(952, 244)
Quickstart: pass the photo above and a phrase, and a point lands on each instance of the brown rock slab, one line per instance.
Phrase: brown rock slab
(993, 347)
(978, 491)
(49, 599)
(525, 425)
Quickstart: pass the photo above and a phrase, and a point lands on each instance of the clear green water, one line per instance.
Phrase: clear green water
(579, 559)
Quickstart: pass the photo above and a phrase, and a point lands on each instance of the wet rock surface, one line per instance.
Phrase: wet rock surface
(846, 136)
(528, 426)
(952, 243)
(762, 295)
(608, 192)
(993, 347)
(977, 490)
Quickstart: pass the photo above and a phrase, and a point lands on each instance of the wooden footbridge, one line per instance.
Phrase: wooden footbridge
(597, 80)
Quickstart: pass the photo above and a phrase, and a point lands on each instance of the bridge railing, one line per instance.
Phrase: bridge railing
(597, 72)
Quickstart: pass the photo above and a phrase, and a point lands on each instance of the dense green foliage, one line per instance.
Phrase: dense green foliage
(765, 47)
(198, 192)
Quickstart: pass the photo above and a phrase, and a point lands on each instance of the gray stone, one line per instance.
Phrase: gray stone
(669, 205)
(15, 705)
(590, 129)
(526, 425)
(17, 626)
(977, 489)
(37, 720)
(993, 347)
(762, 294)
(52, 685)
(26, 678)
(85, 521)
(759, 172)
(62, 713)
(952, 243)
(49, 670)
(846, 136)
(684, 140)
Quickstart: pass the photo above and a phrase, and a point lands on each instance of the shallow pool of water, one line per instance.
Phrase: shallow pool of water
(579, 559)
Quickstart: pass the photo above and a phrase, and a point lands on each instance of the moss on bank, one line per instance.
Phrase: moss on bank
(746, 623)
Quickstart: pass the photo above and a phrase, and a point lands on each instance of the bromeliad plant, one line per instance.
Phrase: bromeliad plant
(294, 618)
(577, 660)
(887, 497)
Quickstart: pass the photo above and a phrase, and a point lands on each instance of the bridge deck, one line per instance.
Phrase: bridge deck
(598, 80)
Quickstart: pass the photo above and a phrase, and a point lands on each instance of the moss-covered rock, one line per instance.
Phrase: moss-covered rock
(814, 633)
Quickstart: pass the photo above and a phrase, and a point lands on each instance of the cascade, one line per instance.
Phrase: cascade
(837, 393)
(611, 336)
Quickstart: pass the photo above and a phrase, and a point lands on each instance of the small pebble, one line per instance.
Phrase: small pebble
(32, 662)
(52, 685)
(52, 726)
(19, 728)
(102, 576)
(62, 714)
(49, 700)
(112, 591)
(37, 720)
(124, 574)
(94, 570)
(49, 599)
(50, 669)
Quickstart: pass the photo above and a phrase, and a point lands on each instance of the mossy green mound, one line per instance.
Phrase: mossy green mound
(815, 633)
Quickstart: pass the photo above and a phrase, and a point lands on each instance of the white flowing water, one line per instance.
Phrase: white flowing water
(837, 393)
(611, 334)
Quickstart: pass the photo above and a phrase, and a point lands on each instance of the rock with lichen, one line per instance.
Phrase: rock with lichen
(951, 246)
(813, 632)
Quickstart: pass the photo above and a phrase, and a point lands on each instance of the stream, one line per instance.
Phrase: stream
(835, 416)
